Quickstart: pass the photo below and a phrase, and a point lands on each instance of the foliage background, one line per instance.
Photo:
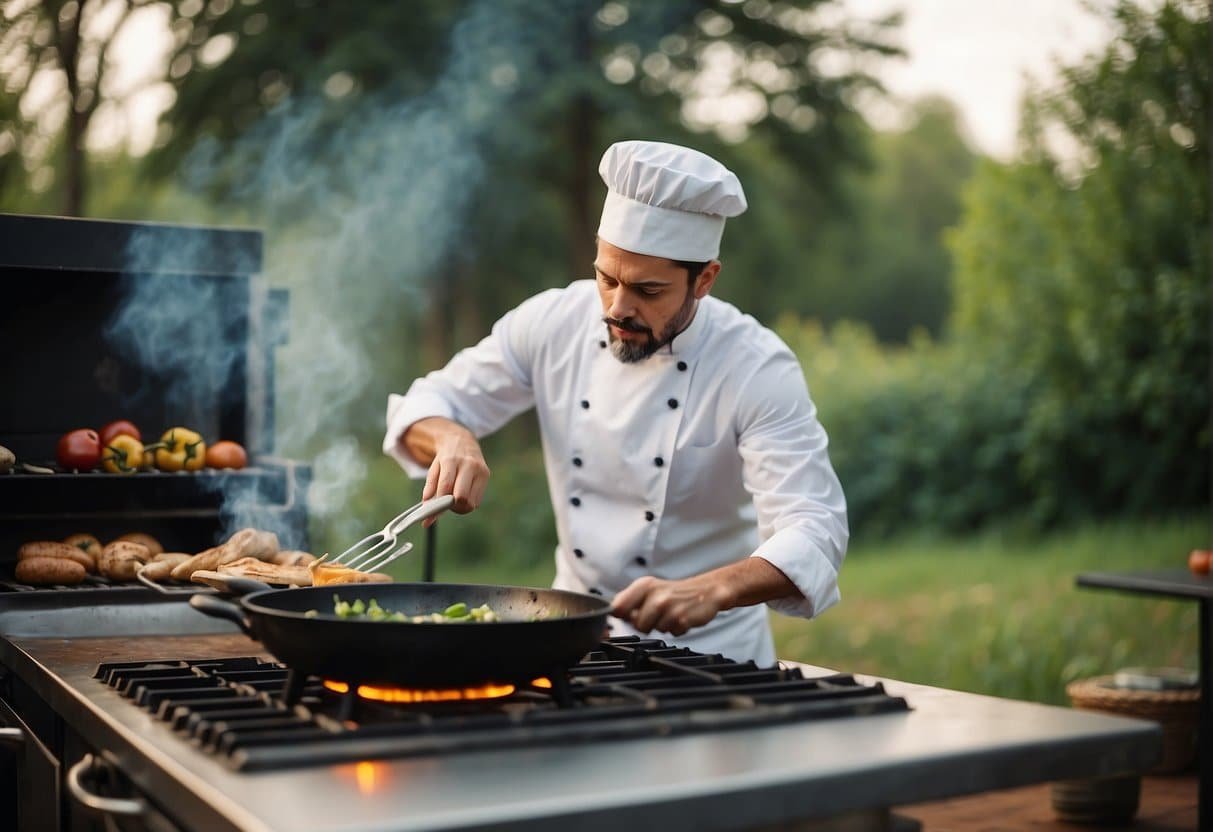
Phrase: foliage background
(1000, 350)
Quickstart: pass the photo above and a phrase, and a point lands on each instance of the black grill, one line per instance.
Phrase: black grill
(628, 688)
(70, 281)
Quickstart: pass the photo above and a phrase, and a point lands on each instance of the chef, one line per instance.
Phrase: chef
(687, 469)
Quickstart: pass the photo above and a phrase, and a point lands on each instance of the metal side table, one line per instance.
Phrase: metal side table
(1179, 583)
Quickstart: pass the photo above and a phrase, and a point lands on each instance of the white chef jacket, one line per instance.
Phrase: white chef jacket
(706, 452)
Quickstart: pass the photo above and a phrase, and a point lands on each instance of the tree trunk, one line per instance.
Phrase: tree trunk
(68, 42)
(582, 214)
(437, 326)
(583, 123)
(74, 187)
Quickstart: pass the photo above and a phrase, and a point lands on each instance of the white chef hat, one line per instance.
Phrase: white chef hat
(666, 201)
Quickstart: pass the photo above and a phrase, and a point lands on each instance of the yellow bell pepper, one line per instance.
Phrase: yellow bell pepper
(181, 449)
(123, 455)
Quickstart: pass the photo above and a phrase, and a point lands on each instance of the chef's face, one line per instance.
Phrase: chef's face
(646, 300)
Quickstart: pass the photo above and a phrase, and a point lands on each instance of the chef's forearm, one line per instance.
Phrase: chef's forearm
(422, 439)
(751, 581)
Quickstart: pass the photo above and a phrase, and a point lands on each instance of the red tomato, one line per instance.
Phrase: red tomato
(1199, 561)
(226, 454)
(119, 428)
(79, 449)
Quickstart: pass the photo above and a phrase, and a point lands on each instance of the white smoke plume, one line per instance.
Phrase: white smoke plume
(357, 214)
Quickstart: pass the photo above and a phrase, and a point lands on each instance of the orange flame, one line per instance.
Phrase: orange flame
(542, 682)
(369, 776)
(423, 695)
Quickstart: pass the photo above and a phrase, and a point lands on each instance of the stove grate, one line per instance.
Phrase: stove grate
(627, 688)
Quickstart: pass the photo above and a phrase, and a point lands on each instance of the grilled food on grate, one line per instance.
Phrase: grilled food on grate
(54, 549)
(243, 544)
(270, 573)
(121, 559)
(324, 574)
(160, 567)
(49, 571)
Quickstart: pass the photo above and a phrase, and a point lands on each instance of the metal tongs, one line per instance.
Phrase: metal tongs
(381, 548)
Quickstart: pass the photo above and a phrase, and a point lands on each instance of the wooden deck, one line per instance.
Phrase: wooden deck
(1168, 804)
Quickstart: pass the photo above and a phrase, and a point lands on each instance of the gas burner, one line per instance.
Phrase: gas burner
(258, 715)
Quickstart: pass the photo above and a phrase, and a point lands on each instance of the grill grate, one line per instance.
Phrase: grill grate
(627, 688)
(91, 583)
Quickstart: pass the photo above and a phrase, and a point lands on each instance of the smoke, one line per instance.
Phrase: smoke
(359, 210)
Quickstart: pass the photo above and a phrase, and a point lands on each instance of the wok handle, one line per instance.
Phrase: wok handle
(244, 586)
(218, 608)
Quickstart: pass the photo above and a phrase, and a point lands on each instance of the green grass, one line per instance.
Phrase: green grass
(996, 614)
(1001, 615)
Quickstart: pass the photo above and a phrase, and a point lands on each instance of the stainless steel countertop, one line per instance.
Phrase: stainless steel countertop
(950, 743)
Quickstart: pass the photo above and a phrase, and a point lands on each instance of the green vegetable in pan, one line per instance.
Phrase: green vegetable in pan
(371, 611)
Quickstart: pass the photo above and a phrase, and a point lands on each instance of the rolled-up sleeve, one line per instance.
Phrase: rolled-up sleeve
(802, 517)
(481, 388)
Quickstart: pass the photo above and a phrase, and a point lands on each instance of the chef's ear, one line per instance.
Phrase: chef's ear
(706, 279)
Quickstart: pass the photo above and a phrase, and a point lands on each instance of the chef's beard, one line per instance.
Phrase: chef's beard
(629, 352)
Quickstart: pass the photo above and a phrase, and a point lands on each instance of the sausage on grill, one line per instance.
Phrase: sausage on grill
(45, 571)
(85, 543)
(55, 549)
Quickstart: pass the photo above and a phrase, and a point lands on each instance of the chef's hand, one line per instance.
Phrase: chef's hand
(457, 465)
(672, 607)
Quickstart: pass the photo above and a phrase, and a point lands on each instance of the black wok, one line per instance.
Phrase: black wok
(542, 631)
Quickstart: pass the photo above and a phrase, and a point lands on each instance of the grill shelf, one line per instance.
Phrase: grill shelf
(90, 583)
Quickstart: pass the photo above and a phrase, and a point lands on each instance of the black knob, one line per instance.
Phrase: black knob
(585, 405)
(576, 501)
(579, 553)
(640, 561)
(673, 403)
(682, 365)
(648, 515)
(577, 461)
(602, 344)
(658, 461)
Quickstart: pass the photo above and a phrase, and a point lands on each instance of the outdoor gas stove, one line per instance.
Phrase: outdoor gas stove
(256, 715)
(183, 753)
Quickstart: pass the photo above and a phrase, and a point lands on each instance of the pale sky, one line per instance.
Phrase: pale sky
(978, 53)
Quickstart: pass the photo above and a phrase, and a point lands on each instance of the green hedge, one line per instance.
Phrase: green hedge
(923, 436)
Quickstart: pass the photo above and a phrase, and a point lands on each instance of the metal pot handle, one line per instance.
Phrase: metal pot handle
(126, 806)
(218, 608)
(243, 586)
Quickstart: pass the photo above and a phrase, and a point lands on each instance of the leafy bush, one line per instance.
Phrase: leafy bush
(1089, 271)
(926, 436)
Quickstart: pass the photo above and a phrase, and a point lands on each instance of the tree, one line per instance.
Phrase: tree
(64, 45)
(1087, 266)
(525, 94)
(882, 258)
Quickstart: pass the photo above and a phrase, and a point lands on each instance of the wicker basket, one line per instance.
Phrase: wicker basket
(1177, 711)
